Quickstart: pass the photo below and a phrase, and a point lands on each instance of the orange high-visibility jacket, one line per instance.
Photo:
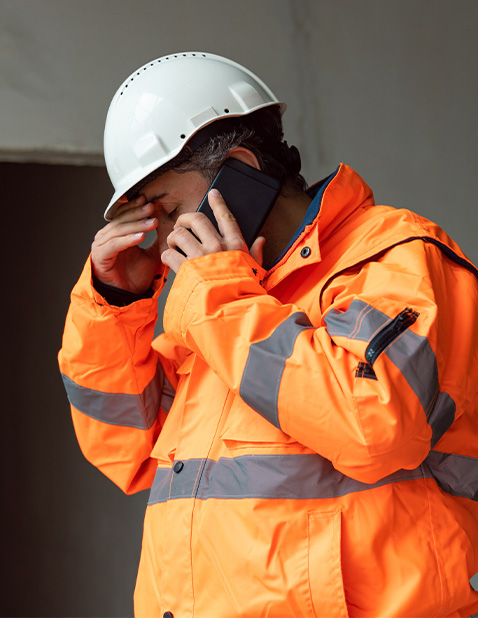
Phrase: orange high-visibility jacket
(309, 434)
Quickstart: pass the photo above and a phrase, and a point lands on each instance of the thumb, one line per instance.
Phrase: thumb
(257, 249)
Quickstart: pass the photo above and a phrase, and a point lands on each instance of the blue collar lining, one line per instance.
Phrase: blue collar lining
(316, 192)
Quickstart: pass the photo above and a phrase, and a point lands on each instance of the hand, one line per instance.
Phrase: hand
(115, 256)
(205, 239)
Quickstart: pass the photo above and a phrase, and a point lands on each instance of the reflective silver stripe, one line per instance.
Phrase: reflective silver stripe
(361, 321)
(298, 477)
(265, 365)
(169, 485)
(122, 409)
(410, 353)
(455, 474)
(441, 416)
(286, 477)
(474, 585)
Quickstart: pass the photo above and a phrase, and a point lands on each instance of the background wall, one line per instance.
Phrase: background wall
(388, 87)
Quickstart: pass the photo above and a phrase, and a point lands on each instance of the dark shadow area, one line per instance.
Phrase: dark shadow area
(72, 539)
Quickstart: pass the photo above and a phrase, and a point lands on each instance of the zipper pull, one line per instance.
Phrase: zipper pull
(389, 333)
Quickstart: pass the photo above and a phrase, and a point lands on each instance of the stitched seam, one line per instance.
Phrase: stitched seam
(439, 569)
(359, 321)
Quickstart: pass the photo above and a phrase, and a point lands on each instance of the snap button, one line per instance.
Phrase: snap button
(178, 466)
(305, 252)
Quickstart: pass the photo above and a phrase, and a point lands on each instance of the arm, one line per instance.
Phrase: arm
(118, 389)
(369, 416)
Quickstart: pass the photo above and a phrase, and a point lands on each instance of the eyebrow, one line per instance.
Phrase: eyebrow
(159, 196)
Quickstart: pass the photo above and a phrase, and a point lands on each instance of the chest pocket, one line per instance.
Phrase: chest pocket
(244, 428)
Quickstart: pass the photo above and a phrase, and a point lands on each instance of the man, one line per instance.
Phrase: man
(307, 423)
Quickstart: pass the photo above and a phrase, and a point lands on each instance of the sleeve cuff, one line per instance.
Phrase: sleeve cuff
(218, 278)
(118, 297)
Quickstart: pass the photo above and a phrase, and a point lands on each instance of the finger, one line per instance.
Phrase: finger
(184, 239)
(225, 219)
(118, 229)
(197, 223)
(173, 259)
(257, 249)
(137, 203)
(133, 211)
(115, 245)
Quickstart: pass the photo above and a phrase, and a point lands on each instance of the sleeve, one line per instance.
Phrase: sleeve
(117, 386)
(358, 381)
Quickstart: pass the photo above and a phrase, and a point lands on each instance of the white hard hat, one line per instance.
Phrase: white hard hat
(164, 103)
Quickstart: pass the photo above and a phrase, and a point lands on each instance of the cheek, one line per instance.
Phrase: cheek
(165, 227)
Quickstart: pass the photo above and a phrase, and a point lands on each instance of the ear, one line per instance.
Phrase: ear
(246, 156)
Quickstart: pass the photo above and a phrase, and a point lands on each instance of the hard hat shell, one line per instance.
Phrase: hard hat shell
(164, 103)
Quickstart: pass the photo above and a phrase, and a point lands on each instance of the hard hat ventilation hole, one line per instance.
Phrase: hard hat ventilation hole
(226, 111)
(158, 61)
(183, 136)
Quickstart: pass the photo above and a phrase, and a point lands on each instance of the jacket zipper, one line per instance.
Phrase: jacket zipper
(389, 333)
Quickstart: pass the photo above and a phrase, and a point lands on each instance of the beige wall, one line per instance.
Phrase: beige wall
(388, 87)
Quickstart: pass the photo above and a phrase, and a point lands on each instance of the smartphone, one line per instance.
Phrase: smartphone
(249, 194)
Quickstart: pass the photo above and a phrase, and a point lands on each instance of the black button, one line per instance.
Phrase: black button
(305, 252)
(168, 615)
(178, 466)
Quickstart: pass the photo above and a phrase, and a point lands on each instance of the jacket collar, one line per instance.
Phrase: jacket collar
(335, 199)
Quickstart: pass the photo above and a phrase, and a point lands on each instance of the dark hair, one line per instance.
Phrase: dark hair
(260, 132)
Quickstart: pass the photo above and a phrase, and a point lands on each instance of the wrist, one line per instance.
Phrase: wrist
(117, 296)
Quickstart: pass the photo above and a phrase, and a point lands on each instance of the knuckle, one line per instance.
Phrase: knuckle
(237, 244)
(100, 233)
(200, 216)
(183, 219)
(228, 216)
(180, 232)
(216, 246)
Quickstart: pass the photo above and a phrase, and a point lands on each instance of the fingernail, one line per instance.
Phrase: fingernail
(214, 193)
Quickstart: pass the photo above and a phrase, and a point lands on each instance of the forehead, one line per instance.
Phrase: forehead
(173, 183)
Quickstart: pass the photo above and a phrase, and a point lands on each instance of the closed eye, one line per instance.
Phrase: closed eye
(173, 215)
(159, 205)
